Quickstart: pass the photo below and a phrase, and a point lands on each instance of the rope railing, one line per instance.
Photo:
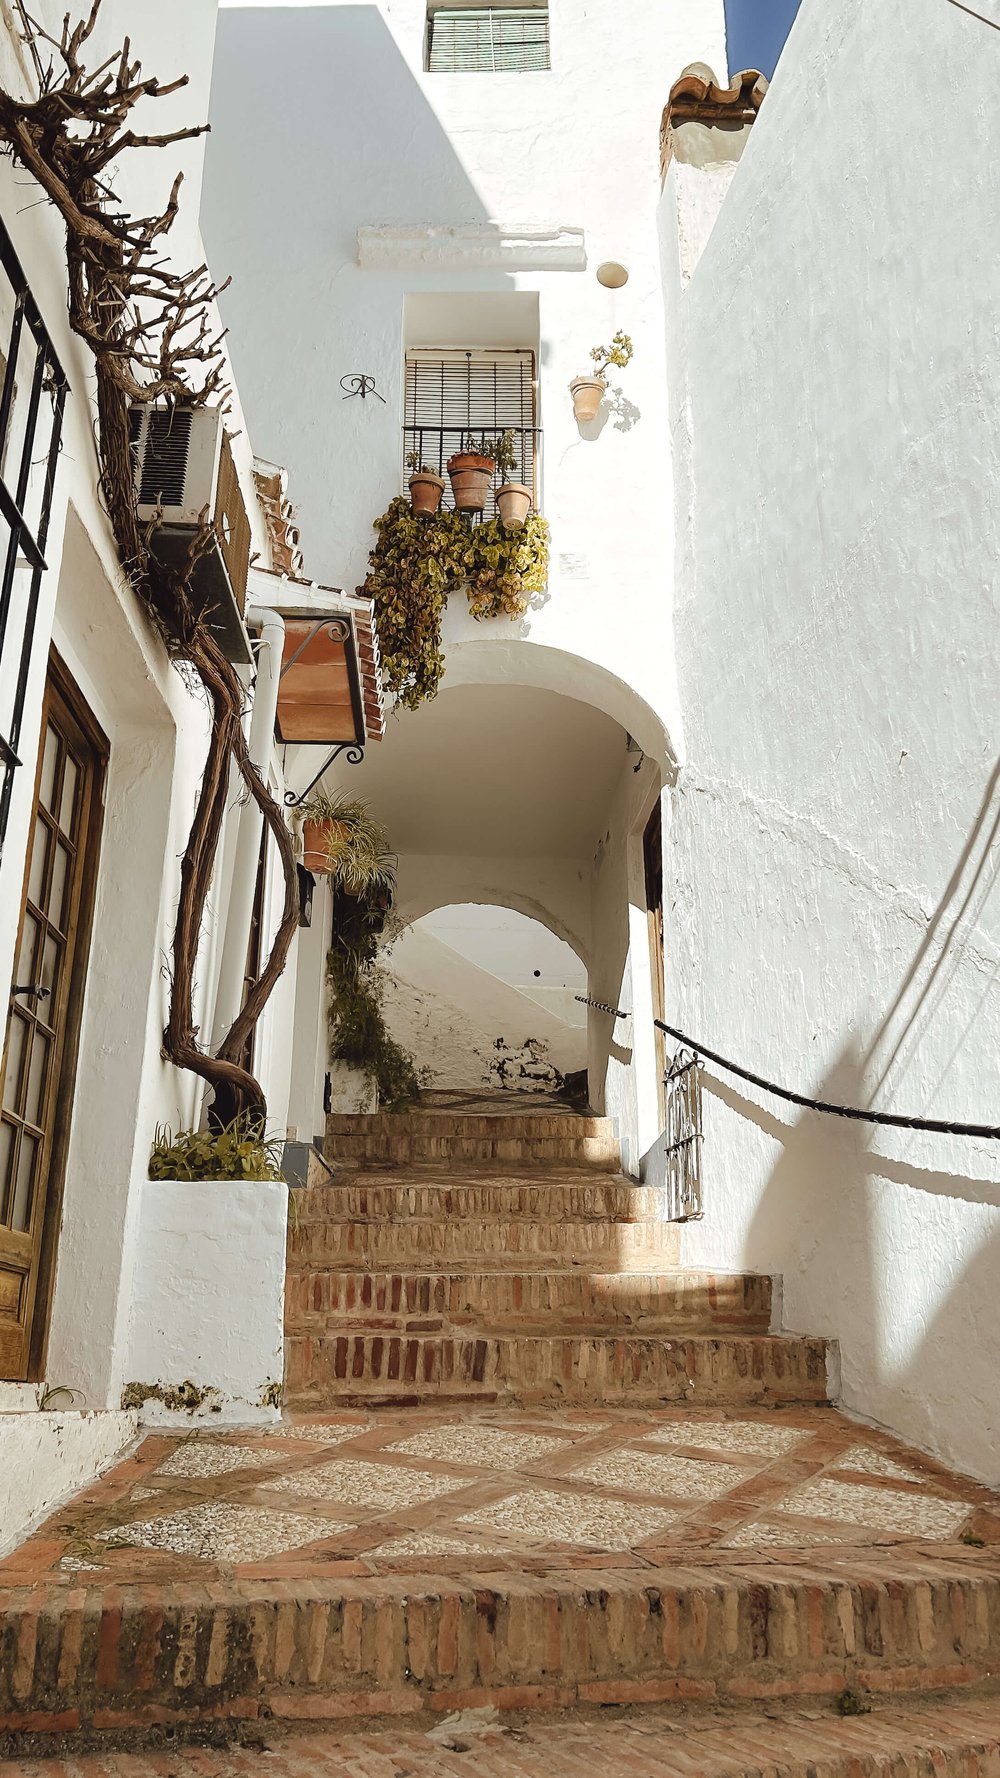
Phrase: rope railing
(938, 1126)
(895, 1120)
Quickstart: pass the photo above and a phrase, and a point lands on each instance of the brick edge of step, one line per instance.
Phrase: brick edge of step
(623, 1370)
(414, 1644)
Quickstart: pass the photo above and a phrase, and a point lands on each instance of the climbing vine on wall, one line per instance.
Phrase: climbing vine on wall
(418, 560)
(150, 328)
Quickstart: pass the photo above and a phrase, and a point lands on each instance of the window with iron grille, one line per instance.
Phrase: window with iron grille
(33, 393)
(488, 39)
(452, 396)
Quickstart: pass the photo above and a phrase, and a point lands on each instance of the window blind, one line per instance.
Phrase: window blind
(488, 40)
(450, 394)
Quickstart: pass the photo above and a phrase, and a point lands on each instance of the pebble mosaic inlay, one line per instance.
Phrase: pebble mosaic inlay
(729, 1435)
(872, 1462)
(562, 1518)
(884, 1509)
(203, 1459)
(318, 1432)
(427, 1543)
(356, 1483)
(223, 1533)
(483, 1445)
(640, 1472)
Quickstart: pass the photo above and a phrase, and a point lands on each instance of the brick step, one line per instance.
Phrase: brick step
(731, 1370)
(488, 1242)
(309, 1647)
(527, 1302)
(503, 1124)
(576, 1199)
(950, 1740)
(398, 1148)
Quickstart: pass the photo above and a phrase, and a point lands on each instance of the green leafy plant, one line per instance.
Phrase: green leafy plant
(239, 1151)
(504, 456)
(619, 353)
(413, 463)
(510, 568)
(417, 561)
(359, 1035)
(357, 845)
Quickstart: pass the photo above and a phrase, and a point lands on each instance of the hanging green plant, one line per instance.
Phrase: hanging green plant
(417, 561)
(509, 569)
(359, 1035)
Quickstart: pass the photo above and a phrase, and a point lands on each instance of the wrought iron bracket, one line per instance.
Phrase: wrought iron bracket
(354, 753)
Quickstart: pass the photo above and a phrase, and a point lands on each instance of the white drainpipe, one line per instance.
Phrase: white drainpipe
(229, 996)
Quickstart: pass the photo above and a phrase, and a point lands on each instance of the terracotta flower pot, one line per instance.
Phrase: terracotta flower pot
(587, 393)
(471, 476)
(514, 502)
(426, 490)
(316, 837)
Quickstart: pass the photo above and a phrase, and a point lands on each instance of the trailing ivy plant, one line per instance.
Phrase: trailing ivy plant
(359, 1035)
(418, 559)
(509, 568)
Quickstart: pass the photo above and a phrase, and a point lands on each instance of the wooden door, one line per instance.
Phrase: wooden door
(652, 860)
(39, 1057)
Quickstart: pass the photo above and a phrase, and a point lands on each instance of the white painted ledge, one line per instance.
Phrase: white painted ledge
(47, 1457)
(473, 247)
(206, 1337)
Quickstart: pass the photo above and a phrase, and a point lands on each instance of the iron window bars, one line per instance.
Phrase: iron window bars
(488, 40)
(32, 403)
(453, 395)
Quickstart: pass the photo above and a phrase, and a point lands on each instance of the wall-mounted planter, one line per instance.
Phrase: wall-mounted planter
(514, 502)
(426, 490)
(316, 837)
(587, 393)
(471, 476)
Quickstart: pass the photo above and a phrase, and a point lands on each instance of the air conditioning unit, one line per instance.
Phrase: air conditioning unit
(184, 471)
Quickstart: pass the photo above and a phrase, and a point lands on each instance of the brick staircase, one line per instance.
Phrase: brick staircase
(506, 1258)
(534, 1466)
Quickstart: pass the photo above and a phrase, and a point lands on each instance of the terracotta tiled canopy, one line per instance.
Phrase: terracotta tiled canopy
(320, 696)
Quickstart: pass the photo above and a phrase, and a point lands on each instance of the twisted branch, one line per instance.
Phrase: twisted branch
(150, 329)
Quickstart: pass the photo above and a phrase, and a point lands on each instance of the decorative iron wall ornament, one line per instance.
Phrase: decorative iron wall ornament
(360, 384)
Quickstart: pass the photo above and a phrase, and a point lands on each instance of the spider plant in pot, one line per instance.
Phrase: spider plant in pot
(514, 499)
(588, 392)
(342, 840)
(426, 486)
(471, 472)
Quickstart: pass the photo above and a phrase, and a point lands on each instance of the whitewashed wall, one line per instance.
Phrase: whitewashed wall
(833, 918)
(157, 734)
(324, 122)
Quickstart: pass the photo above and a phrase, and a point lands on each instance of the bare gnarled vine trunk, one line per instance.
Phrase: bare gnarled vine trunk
(150, 329)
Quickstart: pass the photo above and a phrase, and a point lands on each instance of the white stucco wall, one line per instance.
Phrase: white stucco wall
(46, 1457)
(208, 1301)
(156, 730)
(402, 150)
(832, 916)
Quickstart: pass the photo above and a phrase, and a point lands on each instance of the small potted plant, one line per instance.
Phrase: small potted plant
(342, 840)
(514, 500)
(589, 392)
(471, 472)
(426, 487)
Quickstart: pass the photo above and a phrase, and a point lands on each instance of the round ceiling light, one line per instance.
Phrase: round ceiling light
(612, 275)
